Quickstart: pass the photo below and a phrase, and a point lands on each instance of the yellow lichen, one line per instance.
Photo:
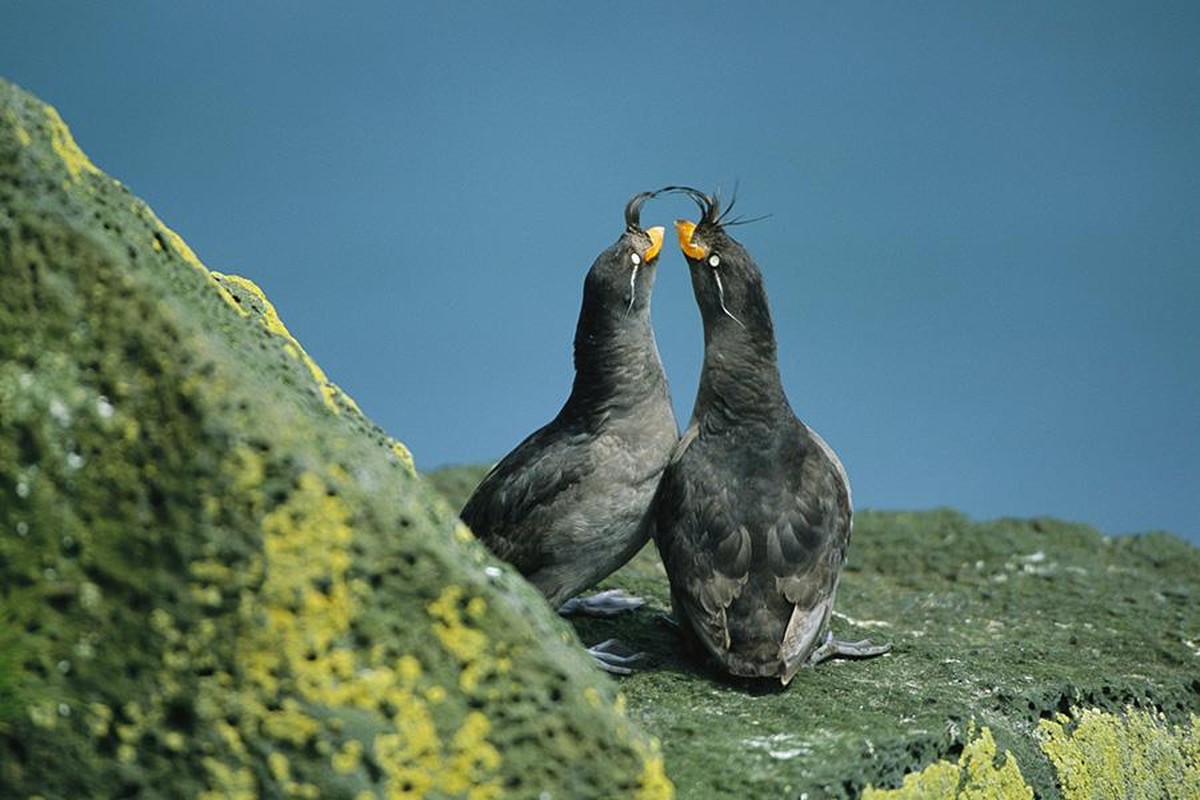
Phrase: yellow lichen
(408, 669)
(206, 595)
(291, 724)
(186, 253)
(410, 770)
(975, 776)
(1137, 754)
(456, 626)
(280, 768)
(416, 763)
(305, 548)
(473, 759)
(247, 470)
(653, 783)
(466, 643)
(305, 791)
(211, 571)
(228, 783)
(65, 147)
(334, 397)
(348, 758)
(232, 737)
(296, 656)
(403, 455)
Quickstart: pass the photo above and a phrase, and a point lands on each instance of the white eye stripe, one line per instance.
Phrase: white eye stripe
(635, 258)
(633, 283)
(721, 297)
(714, 260)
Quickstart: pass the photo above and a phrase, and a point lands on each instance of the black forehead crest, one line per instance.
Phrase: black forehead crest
(711, 215)
(633, 210)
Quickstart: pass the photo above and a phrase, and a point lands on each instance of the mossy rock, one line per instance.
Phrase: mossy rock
(1030, 657)
(219, 579)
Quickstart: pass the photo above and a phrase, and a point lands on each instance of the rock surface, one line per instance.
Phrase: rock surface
(218, 579)
(1029, 656)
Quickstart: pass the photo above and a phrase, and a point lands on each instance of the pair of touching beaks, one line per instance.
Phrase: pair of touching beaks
(684, 229)
(710, 212)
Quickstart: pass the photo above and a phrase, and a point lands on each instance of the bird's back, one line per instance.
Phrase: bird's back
(752, 522)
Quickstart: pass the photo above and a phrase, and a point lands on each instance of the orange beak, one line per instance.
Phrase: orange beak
(684, 230)
(656, 240)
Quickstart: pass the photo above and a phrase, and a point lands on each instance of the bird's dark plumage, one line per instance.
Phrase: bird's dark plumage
(571, 503)
(753, 512)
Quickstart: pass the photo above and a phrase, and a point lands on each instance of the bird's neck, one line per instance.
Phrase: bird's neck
(616, 363)
(740, 381)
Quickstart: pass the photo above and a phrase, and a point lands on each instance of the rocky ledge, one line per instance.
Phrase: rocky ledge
(1031, 658)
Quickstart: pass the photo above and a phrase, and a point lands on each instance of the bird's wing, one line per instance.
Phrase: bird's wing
(806, 546)
(705, 552)
(506, 509)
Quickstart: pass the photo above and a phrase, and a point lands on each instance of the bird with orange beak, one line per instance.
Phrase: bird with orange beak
(753, 512)
(571, 503)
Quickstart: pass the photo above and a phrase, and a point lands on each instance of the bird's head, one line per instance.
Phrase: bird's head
(622, 277)
(726, 281)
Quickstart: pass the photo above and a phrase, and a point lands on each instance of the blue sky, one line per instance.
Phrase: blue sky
(983, 256)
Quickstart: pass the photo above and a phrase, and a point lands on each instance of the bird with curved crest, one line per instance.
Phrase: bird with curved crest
(753, 512)
(571, 503)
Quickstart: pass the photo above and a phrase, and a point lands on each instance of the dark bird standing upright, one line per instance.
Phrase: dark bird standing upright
(753, 511)
(571, 503)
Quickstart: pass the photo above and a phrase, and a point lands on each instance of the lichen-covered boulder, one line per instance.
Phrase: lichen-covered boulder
(218, 579)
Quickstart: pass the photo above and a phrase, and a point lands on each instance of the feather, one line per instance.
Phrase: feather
(633, 210)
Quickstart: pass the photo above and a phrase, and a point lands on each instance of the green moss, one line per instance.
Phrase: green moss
(1007, 622)
(223, 580)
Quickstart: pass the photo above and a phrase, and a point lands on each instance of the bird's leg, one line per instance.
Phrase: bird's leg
(613, 656)
(836, 648)
(608, 603)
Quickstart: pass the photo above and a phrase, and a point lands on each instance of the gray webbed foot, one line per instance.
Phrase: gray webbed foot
(614, 656)
(836, 648)
(608, 603)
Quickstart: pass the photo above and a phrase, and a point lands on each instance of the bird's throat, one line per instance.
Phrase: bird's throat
(615, 362)
(739, 381)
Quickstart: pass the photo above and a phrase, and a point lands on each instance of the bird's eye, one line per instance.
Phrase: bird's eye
(635, 258)
(714, 260)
